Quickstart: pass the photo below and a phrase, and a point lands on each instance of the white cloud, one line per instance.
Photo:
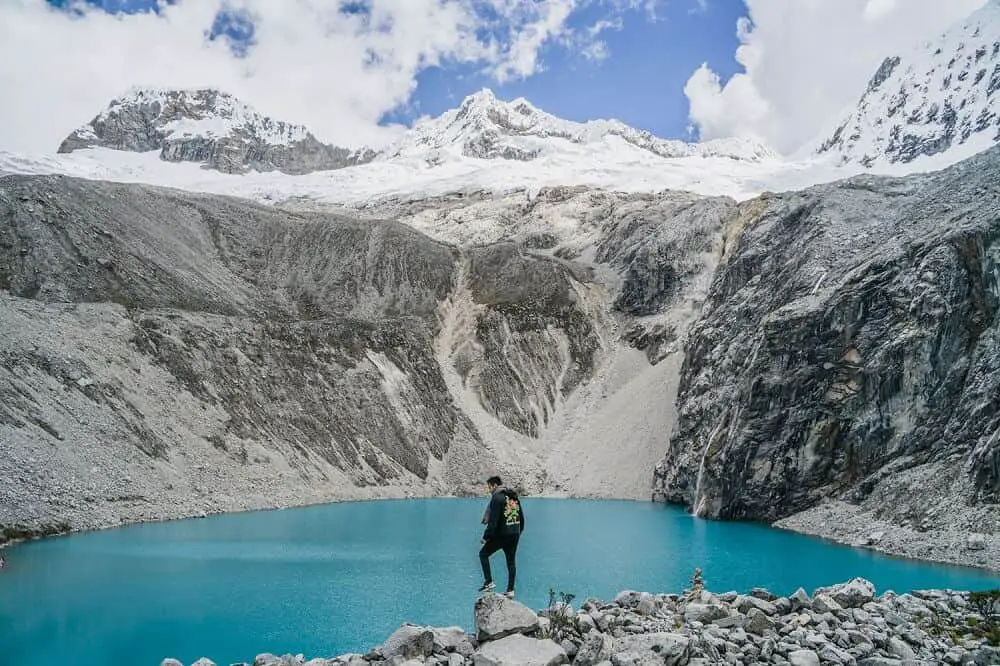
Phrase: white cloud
(336, 72)
(806, 61)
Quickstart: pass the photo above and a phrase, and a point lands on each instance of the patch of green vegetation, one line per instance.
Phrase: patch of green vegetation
(562, 619)
(987, 604)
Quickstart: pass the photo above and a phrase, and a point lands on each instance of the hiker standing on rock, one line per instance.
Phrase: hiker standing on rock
(504, 521)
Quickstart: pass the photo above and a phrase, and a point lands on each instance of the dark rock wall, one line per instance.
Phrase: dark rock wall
(850, 333)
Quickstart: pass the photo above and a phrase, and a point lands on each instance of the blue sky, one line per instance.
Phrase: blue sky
(355, 72)
(640, 82)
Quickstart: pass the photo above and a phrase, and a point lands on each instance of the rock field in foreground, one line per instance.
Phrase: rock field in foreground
(842, 624)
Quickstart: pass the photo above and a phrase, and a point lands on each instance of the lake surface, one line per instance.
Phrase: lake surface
(325, 580)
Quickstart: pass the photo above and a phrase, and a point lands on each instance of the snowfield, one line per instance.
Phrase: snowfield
(610, 164)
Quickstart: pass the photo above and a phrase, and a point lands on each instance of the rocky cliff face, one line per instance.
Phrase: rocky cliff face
(849, 348)
(168, 353)
(941, 95)
(593, 396)
(209, 127)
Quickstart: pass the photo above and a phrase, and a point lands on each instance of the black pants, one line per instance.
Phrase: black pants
(509, 546)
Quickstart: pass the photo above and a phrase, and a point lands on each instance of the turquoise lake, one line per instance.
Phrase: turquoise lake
(325, 580)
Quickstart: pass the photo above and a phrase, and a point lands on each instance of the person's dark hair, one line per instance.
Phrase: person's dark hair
(494, 481)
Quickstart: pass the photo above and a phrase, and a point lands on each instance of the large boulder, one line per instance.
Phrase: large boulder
(659, 649)
(758, 622)
(268, 659)
(803, 658)
(704, 612)
(497, 616)
(597, 647)
(744, 604)
(448, 639)
(824, 603)
(853, 594)
(519, 650)
(409, 641)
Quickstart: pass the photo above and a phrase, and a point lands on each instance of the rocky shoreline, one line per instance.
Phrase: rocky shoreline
(137, 511)
(853, 525)
(846, 624)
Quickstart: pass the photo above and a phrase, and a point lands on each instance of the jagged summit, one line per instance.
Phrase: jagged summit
(211, 127)
(221, 132)
(486, 127)
(943, 94)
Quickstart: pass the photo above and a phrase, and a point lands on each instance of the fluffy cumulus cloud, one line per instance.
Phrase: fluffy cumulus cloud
(805, 62)
(335, 65)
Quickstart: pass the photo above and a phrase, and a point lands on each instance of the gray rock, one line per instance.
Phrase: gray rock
(666, 649)
(824, 603)
(457, 659)
(268, 659)
(497, 616)
(519, 650)
(627, 598)
(204, 661)
(744, 604)
(409, 641)
(800, 600)
(783, 606)
(899, 648)
(646, 604)
(704, 612)
(976, 542)
(569, 647)
(763, 593)
(803, 658)
(853, 594)
(170, 662)
(835, 655)
(730, 621)
(586, 622)
(984, 656)
(954, 655)
(758, 622)
(596, 648)
(447, 639)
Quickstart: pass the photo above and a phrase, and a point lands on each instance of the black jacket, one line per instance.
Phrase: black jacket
(505, 515)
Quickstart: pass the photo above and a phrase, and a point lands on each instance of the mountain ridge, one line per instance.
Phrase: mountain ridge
(942, 94)
(485, 127)
(224, 133)
(211, 127)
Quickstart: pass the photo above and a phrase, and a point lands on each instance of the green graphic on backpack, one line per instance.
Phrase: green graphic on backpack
(512, 512)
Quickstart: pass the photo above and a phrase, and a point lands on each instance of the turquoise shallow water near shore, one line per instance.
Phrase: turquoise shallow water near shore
(325, 580)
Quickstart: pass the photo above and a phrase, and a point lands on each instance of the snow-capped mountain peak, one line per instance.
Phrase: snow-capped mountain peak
(485, 127)
(204, 113)
(942, 95)
(207, 126)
